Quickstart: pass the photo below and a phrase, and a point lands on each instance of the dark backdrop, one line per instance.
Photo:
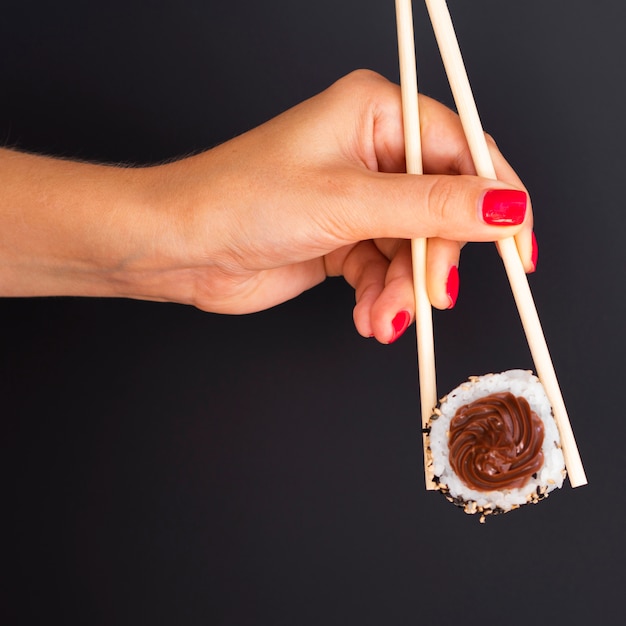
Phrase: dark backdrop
(166, 466)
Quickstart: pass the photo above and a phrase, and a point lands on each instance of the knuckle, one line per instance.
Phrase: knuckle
(441, 200)
(463, 161)
(362, 76)
(359, 84)
(450, 203)
(491, 142)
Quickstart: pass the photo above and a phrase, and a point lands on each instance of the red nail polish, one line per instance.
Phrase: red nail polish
(534, 254)
(400, 323)
(504, 207)
(452, 286)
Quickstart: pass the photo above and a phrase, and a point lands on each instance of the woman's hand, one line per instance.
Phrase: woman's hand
(317, 191)
(320, 191)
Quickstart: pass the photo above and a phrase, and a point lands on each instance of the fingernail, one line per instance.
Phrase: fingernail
(504, 207)
(452, 286)
(534, 254)
(400, 323)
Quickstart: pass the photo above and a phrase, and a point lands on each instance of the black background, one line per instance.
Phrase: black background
(167, 466)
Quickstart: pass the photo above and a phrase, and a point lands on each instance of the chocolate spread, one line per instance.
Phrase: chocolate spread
(495, 442)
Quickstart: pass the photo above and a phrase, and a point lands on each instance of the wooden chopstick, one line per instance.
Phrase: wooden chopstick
(413, 149)
(466, 107)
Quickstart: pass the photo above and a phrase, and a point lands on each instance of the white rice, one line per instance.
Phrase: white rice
(549, 477)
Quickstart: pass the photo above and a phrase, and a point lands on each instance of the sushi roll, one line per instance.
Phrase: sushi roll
(493, 444)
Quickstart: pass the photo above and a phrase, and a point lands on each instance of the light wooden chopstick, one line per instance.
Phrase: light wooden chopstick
(466, 107)
(413, 149)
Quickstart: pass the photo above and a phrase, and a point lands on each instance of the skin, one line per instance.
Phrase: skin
(317, 191)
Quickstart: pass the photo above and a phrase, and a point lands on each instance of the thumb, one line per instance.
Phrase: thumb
(459, 208)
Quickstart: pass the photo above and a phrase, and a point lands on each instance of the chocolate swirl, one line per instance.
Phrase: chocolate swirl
(495, 442)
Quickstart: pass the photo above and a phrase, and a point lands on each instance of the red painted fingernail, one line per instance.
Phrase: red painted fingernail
(534, 254)
(504, 207)
(452, 286)
(400, 323)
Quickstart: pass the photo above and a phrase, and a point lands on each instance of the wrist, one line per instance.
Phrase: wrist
(71, 228)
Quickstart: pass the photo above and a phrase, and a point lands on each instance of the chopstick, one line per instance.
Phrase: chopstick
(466, 107)
(413, 149)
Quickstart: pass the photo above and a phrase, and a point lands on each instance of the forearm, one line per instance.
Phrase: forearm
(70, 228)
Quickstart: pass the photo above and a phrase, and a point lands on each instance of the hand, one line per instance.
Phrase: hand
(318, 191)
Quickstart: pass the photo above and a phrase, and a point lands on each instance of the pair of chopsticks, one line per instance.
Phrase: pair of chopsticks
(472, 127)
